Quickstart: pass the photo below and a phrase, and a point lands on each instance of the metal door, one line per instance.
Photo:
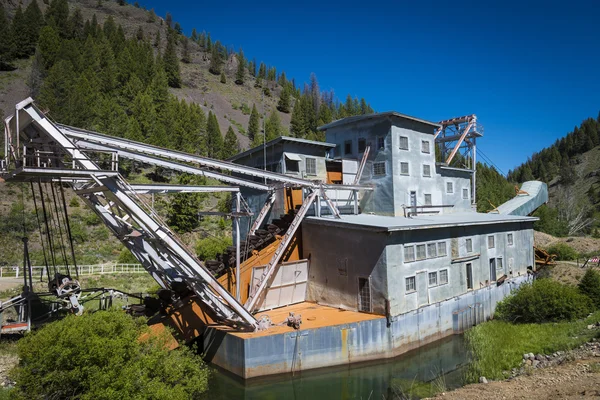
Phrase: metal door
(422, 289)
(288, 285)
(469, 268)
(492, 269)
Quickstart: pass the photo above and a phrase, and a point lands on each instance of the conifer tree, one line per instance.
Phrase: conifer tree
(240, 74)
(177, 28)
(215, 60)
(169, 20)
(186, 58)
(273, 127)
(284, 100)
(19, 34)
(214, 139)
(34, 20)
(49, 45)
(209, 44)
(194, 35)
(58, 13)
(171, 62)
(157, 39)
(76, 25)
(262, 71)
(282, 79)
(6, 56)
(140, 33)
(253, 124)
(223, 78)
(231, 146)
(298, 122)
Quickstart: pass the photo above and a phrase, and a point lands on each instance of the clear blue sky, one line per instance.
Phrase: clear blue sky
(528, 69)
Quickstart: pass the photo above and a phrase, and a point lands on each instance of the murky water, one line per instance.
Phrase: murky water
(418, 369)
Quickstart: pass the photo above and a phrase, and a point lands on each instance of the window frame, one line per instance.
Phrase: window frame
(425, 145)
(445, 247)
(510, 239)
(306, 162)
(364, 143)
(428, 174)
(414, 254)
(429, 276)
(407, 148)
(413, 280)
(427, 200)
(499, 263)
(469, 243)
(432, 245)
(380, 142)
(424, 246)
(493, 243)
(370, 294)
(346, 144)
(465, 193)
(379, 163)
(407, 168)
(450, 185)
(440, 282)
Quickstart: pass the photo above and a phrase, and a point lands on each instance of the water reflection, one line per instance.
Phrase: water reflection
(417, 369)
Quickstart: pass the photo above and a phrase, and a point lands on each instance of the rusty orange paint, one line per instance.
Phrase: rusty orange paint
(334, 176)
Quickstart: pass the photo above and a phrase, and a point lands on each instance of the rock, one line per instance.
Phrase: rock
(535, 363)
(528, 362)
(531, 356)
(540, 357)
(525, 356)
(482, 379)
(591, 326)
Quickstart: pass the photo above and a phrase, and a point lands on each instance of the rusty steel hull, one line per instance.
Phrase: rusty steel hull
(252, 355)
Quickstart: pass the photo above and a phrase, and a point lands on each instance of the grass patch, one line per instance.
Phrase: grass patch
(498, 346)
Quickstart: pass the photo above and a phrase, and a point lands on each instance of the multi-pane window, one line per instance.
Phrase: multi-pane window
(433, 278)
(491, 243)
(427, 199)
(441, 249)
(411, 284)
(403, 168)
(431, 250)
(469, 245)
(348, 147)
(421, 254)
(509, 239)
(381, 142)
(425, 146)
(499, 264)
(409, 253)
(379, 168)
(403, 142)
(362, 145)
(443, 277)
(311, 166)
(465, 193)
(449, 187)
(427, 170)
(364, 295)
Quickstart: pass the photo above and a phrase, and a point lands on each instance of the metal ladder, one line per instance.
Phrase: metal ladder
(361, 167)
(256, 294)
(263, 213)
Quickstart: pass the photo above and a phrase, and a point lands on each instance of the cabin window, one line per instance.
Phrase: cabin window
(409, 253)
(509, 239)
(449, 187)
(348, 147)
(364, 295)
(403, 168)
(425, 146)
(431, 250)
(403, 142)
(311, 166)
(379, 168)
(427, 199)
(427, 170)
(292, 165)
(441, 249)
(362, 145)
(433, 278)
(421, 254)
(410, 284)
(469, 268)
(381, 142)
(465, 193)
(499, 264)
(491, 243)
(443, 277)
(469, 245)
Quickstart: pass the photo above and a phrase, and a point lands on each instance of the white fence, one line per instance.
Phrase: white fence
(96, 269)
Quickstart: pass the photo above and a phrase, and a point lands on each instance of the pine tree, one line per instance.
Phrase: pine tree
(177, 28)
(209, 44)
(6, 44)
(171, 62)
(76, 25)
(19, 34)
(58, 13)
(139, 35)
(215, 60)
(241, 70)
(186, 58)
(214, 139)
(231, 146)
(298, 122)
(223, 78)
(157, 39)
(49, 45)
(282, 79)
(273, 127)
(262, 71)
(34, 21)
(194, 35)
(169, 20)
(284, 100)
(253, 124)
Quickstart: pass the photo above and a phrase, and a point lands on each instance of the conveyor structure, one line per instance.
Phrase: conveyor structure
(37, 149)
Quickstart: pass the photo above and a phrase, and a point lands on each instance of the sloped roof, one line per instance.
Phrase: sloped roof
(359, 118)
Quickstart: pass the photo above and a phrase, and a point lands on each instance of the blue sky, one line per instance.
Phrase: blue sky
(528, 69)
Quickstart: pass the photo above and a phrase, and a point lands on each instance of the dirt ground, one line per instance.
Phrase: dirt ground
(580, 244)
(575, 380)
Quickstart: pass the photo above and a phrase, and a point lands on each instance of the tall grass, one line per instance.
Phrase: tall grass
(498, 346)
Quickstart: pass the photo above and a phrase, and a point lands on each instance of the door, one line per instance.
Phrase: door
(422, 288)
(413, 201)
(469, 268)
(492, 269)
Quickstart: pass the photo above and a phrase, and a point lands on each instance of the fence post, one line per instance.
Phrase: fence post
(17, 273)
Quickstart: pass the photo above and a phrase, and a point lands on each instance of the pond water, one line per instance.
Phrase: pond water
(439, 364)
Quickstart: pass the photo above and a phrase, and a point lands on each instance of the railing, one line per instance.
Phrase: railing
(95, 269)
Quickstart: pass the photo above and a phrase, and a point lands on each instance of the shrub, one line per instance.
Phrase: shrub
(101, 356)
(74, 202)
(208, 248)
(544, 301)
(563, 251)
(590, 286)
(125, 257)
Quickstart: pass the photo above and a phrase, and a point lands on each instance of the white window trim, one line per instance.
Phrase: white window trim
(445, 249)
(451, 191)
(407, 168)
(414, 254)
(512, 241)
(493, 246)
(429, 279)
(407, 144)
(428, 166)
(428, 146)
(427, 203)
(465, 190)
(467, 247)
(447, 277)
(384, 168)
(414, 278)
(306, 161)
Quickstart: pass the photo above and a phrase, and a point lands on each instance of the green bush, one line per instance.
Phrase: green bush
(563, 251)
(544, 301)
(125, 257)
(101, 356)
(208, 248)
(74, 202)
(590, 286)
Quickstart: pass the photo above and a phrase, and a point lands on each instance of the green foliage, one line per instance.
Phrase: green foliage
(492, 188)
(171, 62)
(209, 247)
(544, 300)
(549, 222)
(590, 286)
(253, 124)
(215, 60)
(186, 57)
(125, 257)
(563, 251)
(223, 77)
(273, 127)
(231, 146)
(214, 139)
(183, 209)
(6, 42)
(241, 69)
(498, 346)
(101, 356)
(284, 100)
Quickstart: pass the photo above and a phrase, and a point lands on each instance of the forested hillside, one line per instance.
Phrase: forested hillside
(571, 167)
